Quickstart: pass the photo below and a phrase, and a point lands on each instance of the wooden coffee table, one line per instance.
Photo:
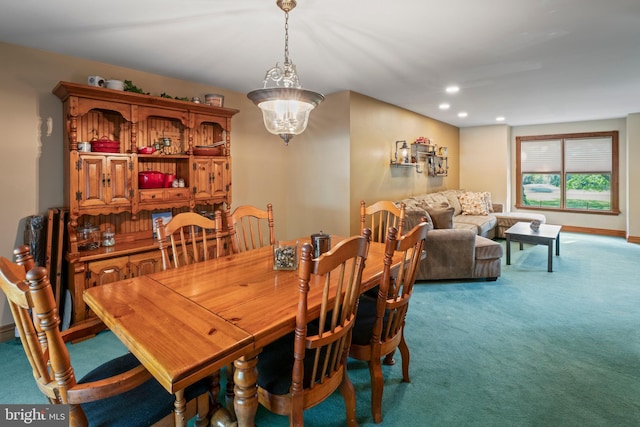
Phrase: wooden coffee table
(546, 234)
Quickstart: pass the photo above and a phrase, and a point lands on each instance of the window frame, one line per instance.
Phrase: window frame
(615, 171)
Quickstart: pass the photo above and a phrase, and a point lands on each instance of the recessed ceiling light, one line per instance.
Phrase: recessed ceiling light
(500, 119)
(462, 114)
(444, 106)
(453, 89)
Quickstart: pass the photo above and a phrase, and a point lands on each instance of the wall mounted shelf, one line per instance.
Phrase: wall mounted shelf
(433, 157)
(407, 165)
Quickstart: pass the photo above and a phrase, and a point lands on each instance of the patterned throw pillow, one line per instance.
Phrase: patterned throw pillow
(473, 204)
(487, 199)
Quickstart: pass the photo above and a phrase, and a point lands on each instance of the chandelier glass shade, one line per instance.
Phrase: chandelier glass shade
(285, 105)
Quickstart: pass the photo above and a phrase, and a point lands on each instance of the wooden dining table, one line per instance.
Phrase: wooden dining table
(185, 324)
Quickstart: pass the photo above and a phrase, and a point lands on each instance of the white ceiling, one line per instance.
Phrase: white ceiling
(531, 61)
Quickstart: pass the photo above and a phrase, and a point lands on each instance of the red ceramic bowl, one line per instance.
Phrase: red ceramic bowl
(150, 179)
(105, 145)
(146, 150)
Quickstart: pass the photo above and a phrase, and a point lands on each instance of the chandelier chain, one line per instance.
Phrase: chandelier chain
(286, 37)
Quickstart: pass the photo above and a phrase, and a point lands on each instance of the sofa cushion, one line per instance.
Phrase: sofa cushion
(487, 249)
(410, 202)
(463, 226)
(452, 198)
(413, 216)
(432, 200)
(480, 224)
(473, 204)
(441, 217)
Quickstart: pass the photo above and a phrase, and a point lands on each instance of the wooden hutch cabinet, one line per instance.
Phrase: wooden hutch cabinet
(102, 188)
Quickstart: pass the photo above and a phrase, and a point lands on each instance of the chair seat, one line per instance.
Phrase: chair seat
(142, 406)
(366, 319)
(275, 364)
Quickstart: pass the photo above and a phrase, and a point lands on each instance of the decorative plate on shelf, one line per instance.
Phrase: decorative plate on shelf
(208, 150)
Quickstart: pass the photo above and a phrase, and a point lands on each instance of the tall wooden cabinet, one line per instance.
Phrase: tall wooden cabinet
(103, 189)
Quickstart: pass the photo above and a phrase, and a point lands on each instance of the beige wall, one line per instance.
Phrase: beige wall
(375, 127)
(484, 161)
(632, 195)
(316, 174)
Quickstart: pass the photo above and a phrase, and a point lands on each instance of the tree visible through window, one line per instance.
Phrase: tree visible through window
(572, 172)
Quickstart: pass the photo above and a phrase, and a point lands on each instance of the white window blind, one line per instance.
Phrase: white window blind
(541, 156)
(588, 155)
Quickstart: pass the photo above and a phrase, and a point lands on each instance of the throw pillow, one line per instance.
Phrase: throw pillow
(441, 217)
(452, 198)
(473, 204)
(437, 200)
(487, 200)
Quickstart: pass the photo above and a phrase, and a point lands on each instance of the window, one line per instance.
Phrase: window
(571, 172)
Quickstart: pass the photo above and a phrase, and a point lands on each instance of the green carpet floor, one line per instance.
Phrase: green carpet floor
(531, 349)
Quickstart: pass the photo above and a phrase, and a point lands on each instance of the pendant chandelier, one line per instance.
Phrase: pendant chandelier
(285, 105)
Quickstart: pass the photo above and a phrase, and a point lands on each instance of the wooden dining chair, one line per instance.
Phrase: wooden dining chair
(250, 228)
(120, 392)
(380, 217)
(188, 238)
(302, 369)
(380, 322)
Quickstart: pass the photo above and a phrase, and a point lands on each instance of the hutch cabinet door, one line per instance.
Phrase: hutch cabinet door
(202, 178)
(107, 271)
(145, 263)
(220, 183)
(100, 273)
(92, 178)
(119, 173)
(210, 178)
(103, 180)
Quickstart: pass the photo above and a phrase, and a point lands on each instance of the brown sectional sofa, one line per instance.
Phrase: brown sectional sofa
(460, 247)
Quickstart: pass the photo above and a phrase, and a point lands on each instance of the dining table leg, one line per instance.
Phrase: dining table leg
(229, 393)
(180, 411)
(245, 378)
